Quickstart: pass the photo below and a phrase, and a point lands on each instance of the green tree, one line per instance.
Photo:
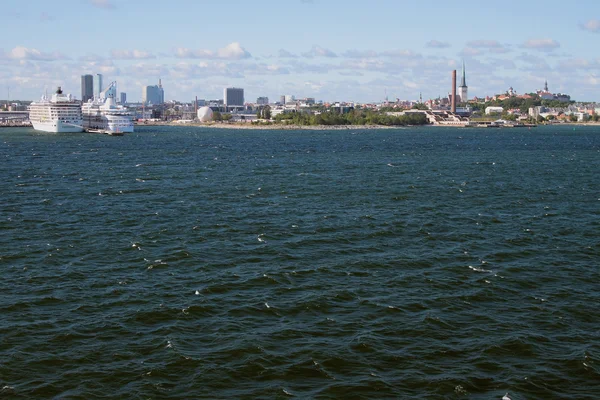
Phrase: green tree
(217, 116)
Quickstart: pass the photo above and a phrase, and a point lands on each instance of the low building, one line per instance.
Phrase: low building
(493, 110)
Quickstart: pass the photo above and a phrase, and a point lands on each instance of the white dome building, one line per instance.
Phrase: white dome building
(205, 114)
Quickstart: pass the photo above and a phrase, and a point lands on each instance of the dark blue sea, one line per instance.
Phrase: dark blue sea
(198, 263)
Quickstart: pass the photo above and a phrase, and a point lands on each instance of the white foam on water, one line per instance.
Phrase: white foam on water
(477, 269)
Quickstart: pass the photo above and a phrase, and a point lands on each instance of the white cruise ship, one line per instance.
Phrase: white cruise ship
(60, 113)
(104, 115)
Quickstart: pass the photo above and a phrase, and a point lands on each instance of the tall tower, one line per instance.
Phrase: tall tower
(463, 89)
(546, 86)
(87, 87)
(98, 86)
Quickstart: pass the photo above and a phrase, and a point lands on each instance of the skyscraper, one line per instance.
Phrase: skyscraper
(233, 97)
(463, 89)
(98, 85)
(87, 87)
(153, 94)
(123, 98)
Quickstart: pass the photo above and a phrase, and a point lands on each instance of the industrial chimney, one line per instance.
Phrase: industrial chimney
(454, 91)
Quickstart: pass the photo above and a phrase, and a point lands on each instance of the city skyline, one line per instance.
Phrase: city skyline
(328, 50)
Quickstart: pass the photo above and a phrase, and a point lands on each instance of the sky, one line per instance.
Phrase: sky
(331, 50)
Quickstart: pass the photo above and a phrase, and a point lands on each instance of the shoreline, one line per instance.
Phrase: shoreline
(250, 126)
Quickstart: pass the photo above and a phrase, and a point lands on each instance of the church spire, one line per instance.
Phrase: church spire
(546, 85)
(463, 81)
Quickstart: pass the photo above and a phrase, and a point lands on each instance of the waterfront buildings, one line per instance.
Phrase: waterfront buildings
(123, 98)
(97, 85)
(545, 94)
(153, 94)
(233, 97)
(87, 87)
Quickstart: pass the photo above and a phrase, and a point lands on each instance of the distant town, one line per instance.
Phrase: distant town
(456, 109)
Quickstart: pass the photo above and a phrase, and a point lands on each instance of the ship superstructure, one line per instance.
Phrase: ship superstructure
(103, 114)
(60, 113)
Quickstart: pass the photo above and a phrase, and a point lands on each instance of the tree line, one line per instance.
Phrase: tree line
(353, 117)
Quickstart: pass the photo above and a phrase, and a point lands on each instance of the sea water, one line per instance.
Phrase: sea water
(182, 262)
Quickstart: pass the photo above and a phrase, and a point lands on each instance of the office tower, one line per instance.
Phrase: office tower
(153, 94)
(262, 101)
(98, 87)
(233, 97)
(123, 98)
(87, 87)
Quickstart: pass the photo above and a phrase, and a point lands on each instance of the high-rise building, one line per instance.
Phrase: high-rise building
(288, 98)
(463, 89)
(123, 98)
(233, 97)
(153, 94)
(262, 101)
(98, 86)
(87, 87)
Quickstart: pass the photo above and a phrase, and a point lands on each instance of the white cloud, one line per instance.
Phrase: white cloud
(131, 55)
(534, 63)
(579, 63)
(492, 46)
(107, 4)
(45, 17)
(233, 51)
(318, 51)
(401, 54)
(470, 52)
(286, 54)
(436, 44)
(593, 25)
(23, 53)
(541, 44)
(360, 54)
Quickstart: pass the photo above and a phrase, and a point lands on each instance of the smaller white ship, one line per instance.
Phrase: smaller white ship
(104, 115)
(60, 113)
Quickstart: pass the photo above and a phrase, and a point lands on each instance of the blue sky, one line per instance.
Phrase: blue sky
(327, 49)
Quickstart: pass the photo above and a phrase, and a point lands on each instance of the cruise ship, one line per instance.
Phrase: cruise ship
(60, 113)
(102, 114)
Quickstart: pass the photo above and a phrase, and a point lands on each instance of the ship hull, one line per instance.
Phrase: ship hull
(57, 127)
